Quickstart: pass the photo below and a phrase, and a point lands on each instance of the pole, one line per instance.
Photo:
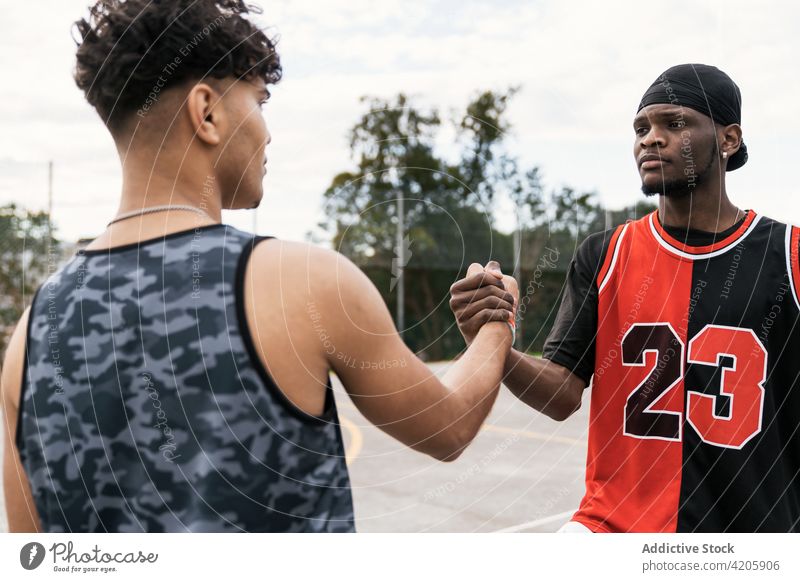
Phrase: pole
(518, 271)
(401, 266)
(49, 204)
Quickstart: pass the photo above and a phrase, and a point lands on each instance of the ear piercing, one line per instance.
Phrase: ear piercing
(724, 155)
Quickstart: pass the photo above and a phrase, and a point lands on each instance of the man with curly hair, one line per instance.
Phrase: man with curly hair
(174, 376)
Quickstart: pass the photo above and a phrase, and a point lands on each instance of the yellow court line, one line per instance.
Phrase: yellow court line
(356, 439)
(534, 435)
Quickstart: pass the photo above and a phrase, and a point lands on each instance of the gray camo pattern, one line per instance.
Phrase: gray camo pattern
(142, 409)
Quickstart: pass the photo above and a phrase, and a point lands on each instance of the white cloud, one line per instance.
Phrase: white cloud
(583, 66)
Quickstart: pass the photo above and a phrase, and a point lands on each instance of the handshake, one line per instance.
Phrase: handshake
(485, 295)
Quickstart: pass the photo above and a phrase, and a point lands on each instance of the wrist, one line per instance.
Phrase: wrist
(501, 331)
(513, 361)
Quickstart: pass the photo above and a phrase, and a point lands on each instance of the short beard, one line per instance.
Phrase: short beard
(681, 187)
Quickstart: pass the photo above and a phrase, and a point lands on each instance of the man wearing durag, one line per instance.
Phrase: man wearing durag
(686, 324)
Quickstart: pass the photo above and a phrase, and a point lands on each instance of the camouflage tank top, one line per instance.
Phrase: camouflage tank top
(145, 406)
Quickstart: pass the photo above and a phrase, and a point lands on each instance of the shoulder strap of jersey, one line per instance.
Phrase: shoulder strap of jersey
(793, 260)
(610, 260)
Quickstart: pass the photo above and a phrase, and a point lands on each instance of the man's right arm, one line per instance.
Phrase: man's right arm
(544, 385)
(390, 386)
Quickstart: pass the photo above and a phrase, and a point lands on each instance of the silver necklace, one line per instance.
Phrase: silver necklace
(162, 208)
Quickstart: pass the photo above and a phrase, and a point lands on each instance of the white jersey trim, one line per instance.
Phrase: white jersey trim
(613, 259)
(789, 270)
(686, 255)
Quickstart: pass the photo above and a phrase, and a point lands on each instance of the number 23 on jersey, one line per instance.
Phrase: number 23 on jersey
(658, 347)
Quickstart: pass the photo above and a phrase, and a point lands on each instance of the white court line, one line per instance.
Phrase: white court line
(537, 522)
(535, 435)
(353, 448)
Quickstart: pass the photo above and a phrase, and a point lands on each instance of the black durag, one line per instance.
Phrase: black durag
(705, 89)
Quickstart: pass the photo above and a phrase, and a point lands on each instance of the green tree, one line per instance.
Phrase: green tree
(28, 254)
(449, 212)
(484, 166)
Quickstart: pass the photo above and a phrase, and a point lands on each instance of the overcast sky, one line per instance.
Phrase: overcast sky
(582, 66)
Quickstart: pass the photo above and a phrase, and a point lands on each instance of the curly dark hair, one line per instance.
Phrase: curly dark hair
(130, 51)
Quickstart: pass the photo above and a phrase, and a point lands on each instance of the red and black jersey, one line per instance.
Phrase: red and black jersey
(691, 341)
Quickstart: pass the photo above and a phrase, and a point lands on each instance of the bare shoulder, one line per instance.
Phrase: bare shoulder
(299, 254)
(309, 268)
(321, 279)
(315, 302)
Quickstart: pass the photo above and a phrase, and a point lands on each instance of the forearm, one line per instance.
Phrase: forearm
(547, 387)
(474, 380)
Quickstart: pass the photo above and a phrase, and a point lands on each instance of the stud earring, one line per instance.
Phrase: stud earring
(724, 155)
